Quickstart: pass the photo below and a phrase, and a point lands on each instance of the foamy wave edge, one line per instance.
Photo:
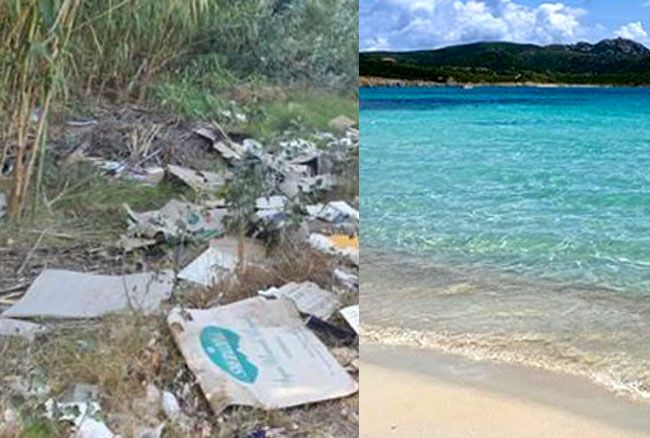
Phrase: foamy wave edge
(478, 348)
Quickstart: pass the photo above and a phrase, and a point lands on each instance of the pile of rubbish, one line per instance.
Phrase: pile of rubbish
(261, 351)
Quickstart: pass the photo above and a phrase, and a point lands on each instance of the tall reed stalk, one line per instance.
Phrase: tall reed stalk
(48, 46)
(34, 35)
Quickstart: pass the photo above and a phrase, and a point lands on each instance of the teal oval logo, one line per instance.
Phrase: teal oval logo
(222, 347)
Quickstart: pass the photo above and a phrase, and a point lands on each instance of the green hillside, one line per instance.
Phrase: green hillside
(617, 61)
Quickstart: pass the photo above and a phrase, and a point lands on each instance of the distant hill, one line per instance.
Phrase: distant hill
(614, 61)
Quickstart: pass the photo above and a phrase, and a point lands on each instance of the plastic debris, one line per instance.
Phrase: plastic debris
(199, 181)
(351, 315)
(349, 280)
(220, 260)
(338, 244)
(308, 297)
(81, 123)
(175, 219)
(82, 412)
(24, 329)
(295, 184)
(67, 294)
(148, 175)
(272, 210)
(91, 428)
(334, 212)
(258, 353)
(170, 406)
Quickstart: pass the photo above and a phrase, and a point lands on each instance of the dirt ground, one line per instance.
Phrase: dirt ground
(76, 227)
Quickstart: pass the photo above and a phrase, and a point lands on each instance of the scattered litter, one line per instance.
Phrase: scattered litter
(132, 243)
(220, 260)
(199, 181)
(228, 152)
(257, 352)
(175, 219)
(170, 406)
(349, 280)
(112, 167)
(206, 133)
(74, 412)
(91, 428)
(67, 294)
(272, 209)
(278, 203)
(148, 175)
(334, 212)
(308, 297)
(305, 153)
(24, 329)
(342, 123)
(81, 123)
(351, 315)
(295, 184)
(3, 204)
(341, 244)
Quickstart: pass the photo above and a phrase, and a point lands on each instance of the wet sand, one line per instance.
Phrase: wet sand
(419, 393)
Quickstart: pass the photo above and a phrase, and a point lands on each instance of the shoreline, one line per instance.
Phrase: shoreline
(379, 82)
(452, 309)
(411, 392)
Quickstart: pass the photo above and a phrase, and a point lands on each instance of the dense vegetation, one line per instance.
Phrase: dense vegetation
(185, 55)
(607, 62)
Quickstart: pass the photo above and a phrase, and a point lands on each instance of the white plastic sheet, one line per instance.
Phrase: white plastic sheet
(308, 297)
(68, 294)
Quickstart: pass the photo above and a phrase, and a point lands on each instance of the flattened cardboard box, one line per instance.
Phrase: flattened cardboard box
(258, 353)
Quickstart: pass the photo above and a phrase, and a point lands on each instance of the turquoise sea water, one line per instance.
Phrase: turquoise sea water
(518, 220)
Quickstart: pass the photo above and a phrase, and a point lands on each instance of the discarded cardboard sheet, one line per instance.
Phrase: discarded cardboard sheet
(177, 219)
(351, 315)
(308, 297)
(339, 244)
(207, 133)
(220, 260)
(334, 212)
(67, 294)
(257, 352)
(24, 329)
(199, 181)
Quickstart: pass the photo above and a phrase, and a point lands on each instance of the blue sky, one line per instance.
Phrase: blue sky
(425, 24)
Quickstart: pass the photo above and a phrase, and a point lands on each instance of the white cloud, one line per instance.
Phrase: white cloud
(423, 24)
(632, 31)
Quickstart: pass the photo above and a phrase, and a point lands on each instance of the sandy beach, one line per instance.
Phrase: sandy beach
(415, 393)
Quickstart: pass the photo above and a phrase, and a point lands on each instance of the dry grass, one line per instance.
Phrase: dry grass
(289, 261)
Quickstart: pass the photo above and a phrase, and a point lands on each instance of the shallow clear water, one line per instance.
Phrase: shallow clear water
(512, 224)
